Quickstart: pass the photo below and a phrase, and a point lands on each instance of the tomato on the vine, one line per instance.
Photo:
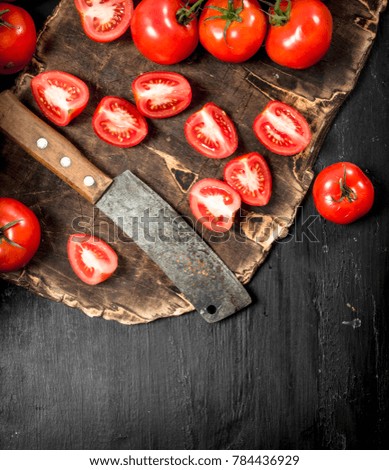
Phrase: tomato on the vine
(282, 129)
(342, 193)
(105, 21)
(20, 234)
(118, 122)
(60, 96)
(250, 176)
(300, 33)
(161, 94)
(91, 258)
(214, 204)
(211, 132)
(232, 30)
(164, 31)
(17, 38)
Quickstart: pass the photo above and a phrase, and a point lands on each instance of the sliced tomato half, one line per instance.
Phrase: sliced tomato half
(161, 94)
(251, 177)
(105, 20)
(214, 204)
(118, 122)
(91, 258)
(282, 129)
(211, 132)
(60, 96)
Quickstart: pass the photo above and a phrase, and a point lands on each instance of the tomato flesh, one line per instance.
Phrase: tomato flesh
(304, 39)
(211, 132)
(60, 96)
(91, 258)
(159, 36)
(161, 94)
(19, 242)
(243, 36)
(250, 176)
(342, 193)
(105, 20)
(282, 129)
(118, 122)
(214, 204)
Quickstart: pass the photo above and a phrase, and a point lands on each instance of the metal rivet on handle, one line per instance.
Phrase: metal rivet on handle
(65, 162)
(89, 181)
(42, 143)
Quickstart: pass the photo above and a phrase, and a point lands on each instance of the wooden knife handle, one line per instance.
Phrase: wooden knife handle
(51, 148)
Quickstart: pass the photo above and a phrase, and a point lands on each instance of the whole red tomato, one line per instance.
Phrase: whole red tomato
(20, 234)
(162, 31)
(17, 38)
(342, 193)
(232, 30)
(301, 33)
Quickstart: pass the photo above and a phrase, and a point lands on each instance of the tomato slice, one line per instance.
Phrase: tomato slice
(211, 132)
(105, 20)
(118, 122)
(60, 96)
(161, 94)
(250, 176)
(91, 258)
(214, 204)
(282, 129)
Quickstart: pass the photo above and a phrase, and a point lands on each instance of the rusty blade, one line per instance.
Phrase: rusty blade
(172, 244)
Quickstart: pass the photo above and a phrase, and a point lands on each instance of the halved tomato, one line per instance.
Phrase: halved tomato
(161, 94)
(282, 129)
(105, 20)
(214, 204)
(251, 177)
(60, 96)
(211, 132)
(118, 122)
(91, 258)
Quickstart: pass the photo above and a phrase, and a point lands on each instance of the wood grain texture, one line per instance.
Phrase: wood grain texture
(139, 292)
(290, 372)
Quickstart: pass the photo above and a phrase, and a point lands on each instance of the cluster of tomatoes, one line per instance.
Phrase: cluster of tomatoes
(209, 130)
(296, 33)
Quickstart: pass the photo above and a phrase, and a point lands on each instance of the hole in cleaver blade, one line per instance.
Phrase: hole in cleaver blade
(171, 242)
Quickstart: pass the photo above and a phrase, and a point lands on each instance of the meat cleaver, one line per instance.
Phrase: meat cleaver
(201, 276)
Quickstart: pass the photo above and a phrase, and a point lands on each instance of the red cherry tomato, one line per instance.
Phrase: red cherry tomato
(342, 193)
(91, 258)
(17, 38)
(211, 132)
(214, 204)
(250, 176)
(60, 96)
(105, 21)
(304, 38)
(20, 234)
(161, 94)
(282, 129)
(232, 31)
(118, 122)
(158, 34)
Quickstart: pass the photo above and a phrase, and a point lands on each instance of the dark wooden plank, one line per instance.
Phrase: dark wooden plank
(109, 69)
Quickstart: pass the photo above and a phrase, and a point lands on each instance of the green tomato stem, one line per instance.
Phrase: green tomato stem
(3, 22)
(4, 237)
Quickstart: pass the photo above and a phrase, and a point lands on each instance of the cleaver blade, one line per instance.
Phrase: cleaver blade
(196, 270)
(170, 242)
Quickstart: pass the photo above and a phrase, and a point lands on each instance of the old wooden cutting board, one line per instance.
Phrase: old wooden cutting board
(139, 292)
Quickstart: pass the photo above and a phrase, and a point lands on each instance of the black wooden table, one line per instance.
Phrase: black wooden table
(306, 367)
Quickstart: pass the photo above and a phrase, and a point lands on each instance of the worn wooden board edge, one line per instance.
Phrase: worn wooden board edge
(122, 315)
